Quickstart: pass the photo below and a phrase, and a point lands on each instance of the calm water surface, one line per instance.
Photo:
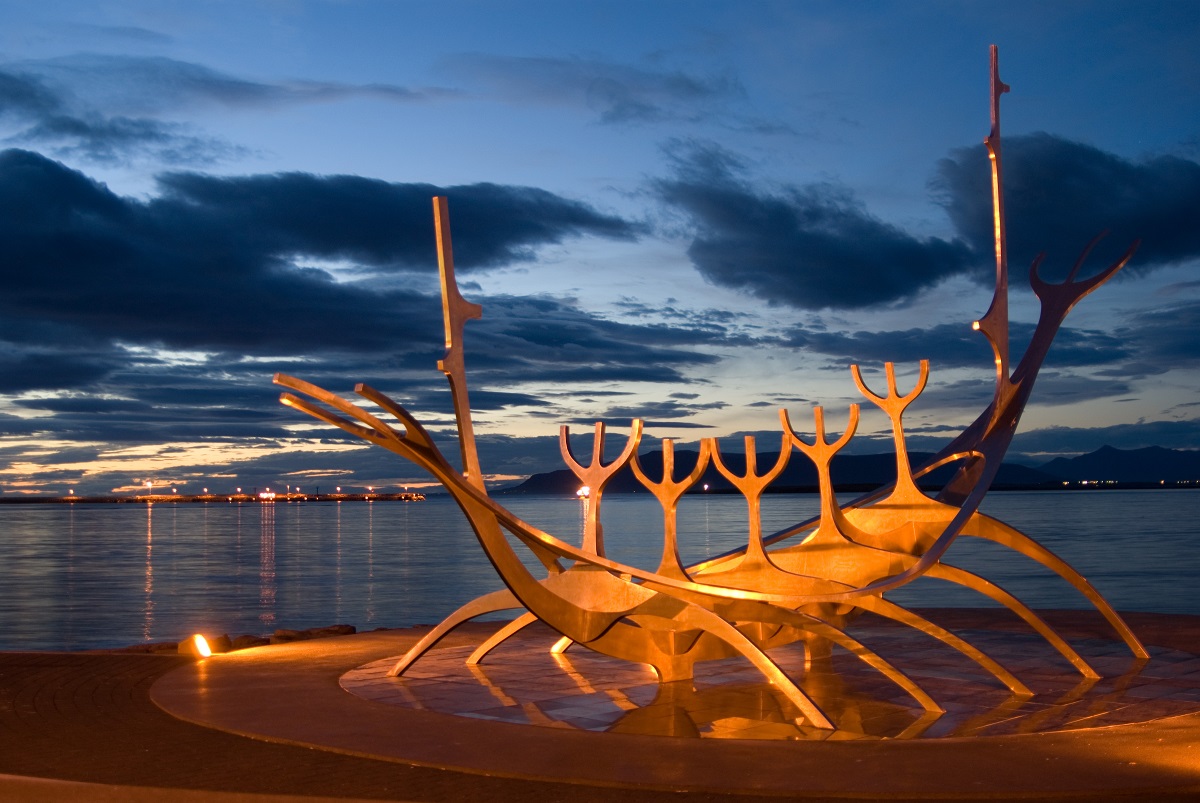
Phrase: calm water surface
(85, 576)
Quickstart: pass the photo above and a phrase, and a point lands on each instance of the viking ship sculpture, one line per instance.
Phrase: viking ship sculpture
(804, 585)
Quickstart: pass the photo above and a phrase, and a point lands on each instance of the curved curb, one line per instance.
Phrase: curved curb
(290, 694)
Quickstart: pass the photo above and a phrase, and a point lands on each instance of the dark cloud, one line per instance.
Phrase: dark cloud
(1061, 388)
(1053, 441)
(119, 412)
(810, 247)
(121, 33)
(1060, 194)
(153, 84)
(111, 139)
(618, 93)
(383, 224)
(725, 322)
(42, 369)
(670, 410)
(161, 321)
(959, 346)
(107, 108)
(210, 263)
(816, 246)
(949, 345)
(1159, 339)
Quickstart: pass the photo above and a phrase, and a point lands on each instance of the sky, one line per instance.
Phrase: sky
(693, 213)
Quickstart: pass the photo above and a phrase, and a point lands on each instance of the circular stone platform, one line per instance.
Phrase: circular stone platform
(1136, 731)
(523, 683)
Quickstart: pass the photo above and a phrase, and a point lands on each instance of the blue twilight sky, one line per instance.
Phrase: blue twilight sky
(691, 212)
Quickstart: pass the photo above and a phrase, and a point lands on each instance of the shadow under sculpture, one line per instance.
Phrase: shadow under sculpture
(802, 585)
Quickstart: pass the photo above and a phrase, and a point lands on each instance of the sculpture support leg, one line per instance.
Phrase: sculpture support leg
(873, 660)
(893, 611)
(986, 527)
(990, 589)
(702, 619)
(501, 600)
(500, 636)
(754, 612)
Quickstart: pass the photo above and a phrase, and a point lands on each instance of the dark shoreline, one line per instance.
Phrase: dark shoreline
(418, 497)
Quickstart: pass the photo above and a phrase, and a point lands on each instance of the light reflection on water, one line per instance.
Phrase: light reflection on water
(81, 576)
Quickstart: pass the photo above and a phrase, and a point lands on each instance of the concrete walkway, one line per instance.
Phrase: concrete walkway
(277, 727)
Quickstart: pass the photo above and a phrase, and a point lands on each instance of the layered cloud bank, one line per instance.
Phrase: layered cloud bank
(647, 244)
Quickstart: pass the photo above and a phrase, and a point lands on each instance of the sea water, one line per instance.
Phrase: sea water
(80, 576)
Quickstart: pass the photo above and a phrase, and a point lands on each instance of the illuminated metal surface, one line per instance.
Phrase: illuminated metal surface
(803, 586)
(728, 699)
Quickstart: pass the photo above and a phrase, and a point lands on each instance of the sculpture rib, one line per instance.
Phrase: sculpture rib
(976, 583)
(502, 635)
(501, 600)
(998, 532)
(891, 610)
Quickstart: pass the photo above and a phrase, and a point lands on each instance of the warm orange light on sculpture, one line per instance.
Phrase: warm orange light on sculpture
(805, 584)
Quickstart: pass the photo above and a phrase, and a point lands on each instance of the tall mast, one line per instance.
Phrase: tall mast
(456, 311)
(994, 324)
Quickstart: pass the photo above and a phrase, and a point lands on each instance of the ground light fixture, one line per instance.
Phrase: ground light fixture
(197, 647)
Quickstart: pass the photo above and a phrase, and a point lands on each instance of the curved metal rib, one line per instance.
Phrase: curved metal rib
(900, 614)
(502, 635)
(984, 526)
(976, 583)
(489, 603)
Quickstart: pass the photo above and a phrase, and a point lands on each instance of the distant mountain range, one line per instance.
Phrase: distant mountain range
(1154, 464)
(1105, 467)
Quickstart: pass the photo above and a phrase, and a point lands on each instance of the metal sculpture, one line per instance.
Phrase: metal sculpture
(802, 585)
